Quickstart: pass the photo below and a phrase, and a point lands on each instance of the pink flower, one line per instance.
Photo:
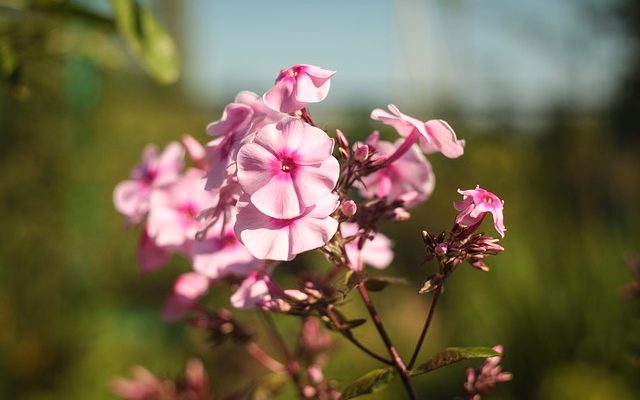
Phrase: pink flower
(375, 252)
(221, 254)
(287, 168)
(150, 255)
(240, 120)
(143, 385)
(253, 292)
(409, 178)
(173, 210)
(269, 238)
(298, 86)
(434, 135)
(131, 197)
(475, 204)
(187, 290)
(483, 380)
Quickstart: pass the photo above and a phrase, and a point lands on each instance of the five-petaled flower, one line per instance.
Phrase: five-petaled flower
(298, 86)
(287, 168)
(433, 136)
(475, 204)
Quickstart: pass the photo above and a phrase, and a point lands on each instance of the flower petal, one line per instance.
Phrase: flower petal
(311, 90)
(265, 237)
(309, 233)
(281, 97)
(314, 183)
(255, 167)
(444, 139)
(278, 198)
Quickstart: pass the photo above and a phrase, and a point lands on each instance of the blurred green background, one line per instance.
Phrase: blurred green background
(76, 110)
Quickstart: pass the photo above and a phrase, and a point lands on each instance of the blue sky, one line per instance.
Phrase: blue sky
(474, 54)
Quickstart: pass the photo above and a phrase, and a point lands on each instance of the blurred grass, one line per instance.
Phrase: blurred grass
(75, 311)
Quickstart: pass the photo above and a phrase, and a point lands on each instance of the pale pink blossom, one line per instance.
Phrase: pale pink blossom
(131, 197)
(142, 385)
(409, 178)
(173, 210)
(253, 292)
(239, 121)
(433, 136)
(475, 204)
(220, 155)
(376, 251)
(269, 238)
(287, 168)
(298, 86)
(150, 255)
(187, 290)
(220, 253)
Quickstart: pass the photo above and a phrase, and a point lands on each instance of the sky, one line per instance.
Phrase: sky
(477, 55)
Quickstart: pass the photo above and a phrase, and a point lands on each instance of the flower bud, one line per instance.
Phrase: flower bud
(377, 159)
(441, 249)
(361, 153)
(349, 208)
(400, 214)
(343, 143)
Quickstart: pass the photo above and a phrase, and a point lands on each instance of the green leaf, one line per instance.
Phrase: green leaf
(8, 59)
(339, 322)
(453, 355)
(355, 277)
(370, 382)
(147, 39)
(377, 283)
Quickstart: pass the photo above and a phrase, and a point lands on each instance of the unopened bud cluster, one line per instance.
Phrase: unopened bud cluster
(451, 250)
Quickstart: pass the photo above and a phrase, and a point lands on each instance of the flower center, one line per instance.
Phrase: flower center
(287, 165)
(293, 72)
(488, 199)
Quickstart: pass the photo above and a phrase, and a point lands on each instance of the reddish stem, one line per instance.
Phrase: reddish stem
(395, 357)
(263, 358)
(425, 328)
(404, 147)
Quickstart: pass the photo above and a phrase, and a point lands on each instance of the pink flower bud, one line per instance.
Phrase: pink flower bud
(400, 214)
(361, 153)
(349, 208)
(343, 143)
(441, 249)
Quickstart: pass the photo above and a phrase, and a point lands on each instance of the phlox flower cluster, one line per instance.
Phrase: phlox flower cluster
(269, 185)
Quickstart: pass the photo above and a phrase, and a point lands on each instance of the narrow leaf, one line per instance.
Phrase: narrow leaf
(370, 382)
(377, 283)
(453, 355)
(147, 39)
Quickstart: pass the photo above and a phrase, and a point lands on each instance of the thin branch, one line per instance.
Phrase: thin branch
(395, 357)
(425, 328)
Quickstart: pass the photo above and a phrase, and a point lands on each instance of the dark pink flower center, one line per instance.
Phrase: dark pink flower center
(293, 72)
(228, 239)
(189, 211)
(487, 199)
(287, 164)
